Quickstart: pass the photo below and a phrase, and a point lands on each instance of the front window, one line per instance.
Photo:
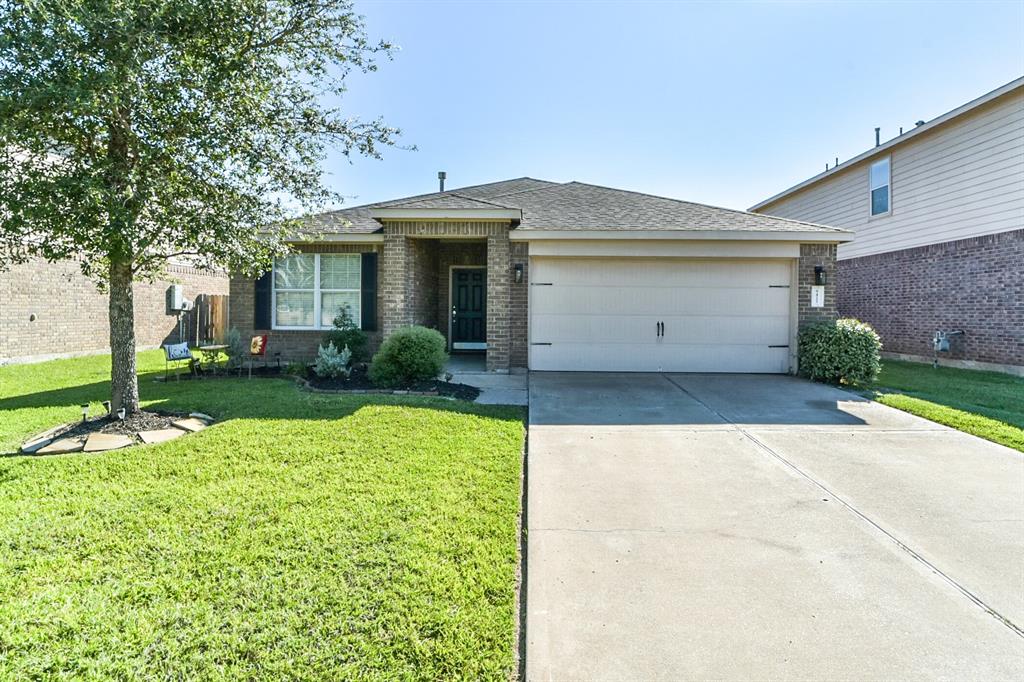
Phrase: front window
(879, 178)
(310, 290)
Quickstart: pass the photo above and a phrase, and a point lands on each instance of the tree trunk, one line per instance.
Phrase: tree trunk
(124, 384)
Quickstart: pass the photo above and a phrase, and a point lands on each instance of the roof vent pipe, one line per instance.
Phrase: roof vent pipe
(441, 175)
(878, 136)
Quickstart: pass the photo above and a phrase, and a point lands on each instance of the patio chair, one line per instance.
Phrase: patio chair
(174, 355)
(258, 353)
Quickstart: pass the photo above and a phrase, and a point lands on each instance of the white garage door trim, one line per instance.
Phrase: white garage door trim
(662, 314)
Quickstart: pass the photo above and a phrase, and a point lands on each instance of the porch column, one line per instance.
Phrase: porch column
(393, 281)
(498, 323)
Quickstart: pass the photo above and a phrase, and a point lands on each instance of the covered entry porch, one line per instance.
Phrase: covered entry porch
(453, 277)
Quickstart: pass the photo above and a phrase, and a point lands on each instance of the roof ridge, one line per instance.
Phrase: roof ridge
(478, 200)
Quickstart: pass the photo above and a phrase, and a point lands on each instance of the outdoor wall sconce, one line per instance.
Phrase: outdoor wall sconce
(518, 270)
(819, 275)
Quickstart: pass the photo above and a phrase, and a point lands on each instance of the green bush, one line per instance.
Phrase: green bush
(347, 333)
(237, 349)
(844, 351)
(409, 355)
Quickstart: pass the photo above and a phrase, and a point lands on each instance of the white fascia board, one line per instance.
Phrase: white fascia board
(665, 249)
(885, 146)
(719, 235)
(501, 214)
(336, 237)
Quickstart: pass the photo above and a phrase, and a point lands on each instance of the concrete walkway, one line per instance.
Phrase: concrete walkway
(495, 389)
(753, 527)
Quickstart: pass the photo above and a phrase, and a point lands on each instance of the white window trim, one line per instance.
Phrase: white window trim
(888, 185)
(317, 296)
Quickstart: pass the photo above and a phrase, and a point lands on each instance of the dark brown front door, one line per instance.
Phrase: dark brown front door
(469, 308)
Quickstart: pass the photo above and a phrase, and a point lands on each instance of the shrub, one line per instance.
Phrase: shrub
(237, 348)
(332, 363)
(409, 355)
(347, 333)
(844, 351)
(296, 368)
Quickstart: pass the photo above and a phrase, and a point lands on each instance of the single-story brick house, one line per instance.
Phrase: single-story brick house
(555, 276)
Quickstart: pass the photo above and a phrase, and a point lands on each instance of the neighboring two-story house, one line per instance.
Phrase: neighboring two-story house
(938, 214)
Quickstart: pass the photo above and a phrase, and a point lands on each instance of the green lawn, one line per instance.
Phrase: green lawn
(303, 536)
(986, 404)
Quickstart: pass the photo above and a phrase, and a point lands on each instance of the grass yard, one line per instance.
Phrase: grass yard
(303, 536)
(986, 404)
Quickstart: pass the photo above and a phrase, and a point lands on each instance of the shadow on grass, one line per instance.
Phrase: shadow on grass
(227, 399)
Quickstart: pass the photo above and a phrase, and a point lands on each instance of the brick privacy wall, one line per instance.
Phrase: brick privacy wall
(449, 254)
(294, 345)
(71, 313)
(812, 255)
(975, 285)
(519, 313)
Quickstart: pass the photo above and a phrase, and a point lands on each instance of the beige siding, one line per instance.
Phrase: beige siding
(963, 179)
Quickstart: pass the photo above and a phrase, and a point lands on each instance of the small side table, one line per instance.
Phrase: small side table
(212, 355)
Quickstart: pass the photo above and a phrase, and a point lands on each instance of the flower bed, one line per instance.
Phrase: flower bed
(359, 382)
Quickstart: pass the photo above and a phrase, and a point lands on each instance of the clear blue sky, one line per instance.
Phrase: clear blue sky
(722, 103)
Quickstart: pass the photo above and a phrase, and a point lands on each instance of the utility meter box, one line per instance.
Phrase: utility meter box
(175, 298)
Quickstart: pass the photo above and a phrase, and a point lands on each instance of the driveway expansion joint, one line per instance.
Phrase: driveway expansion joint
(861, 515)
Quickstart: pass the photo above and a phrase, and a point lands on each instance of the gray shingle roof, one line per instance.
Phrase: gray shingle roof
(570, 206)
(579, 206)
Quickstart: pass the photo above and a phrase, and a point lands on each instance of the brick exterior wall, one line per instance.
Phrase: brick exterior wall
(975, 285)
(421, 282)
(414, 281)
(71, 313)
(299, 345)
(812, 255)
(519, 314)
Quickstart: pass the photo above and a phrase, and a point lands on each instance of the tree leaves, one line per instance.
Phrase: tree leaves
(142, 130)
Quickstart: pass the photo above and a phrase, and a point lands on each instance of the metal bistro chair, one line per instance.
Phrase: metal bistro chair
(174, 355)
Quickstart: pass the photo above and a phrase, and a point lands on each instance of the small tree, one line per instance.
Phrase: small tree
(136, 132)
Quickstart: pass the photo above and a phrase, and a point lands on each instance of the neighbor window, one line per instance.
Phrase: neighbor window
(310, 290)
(879, 178)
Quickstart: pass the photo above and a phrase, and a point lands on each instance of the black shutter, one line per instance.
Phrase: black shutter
(261, 303)
(368, 288)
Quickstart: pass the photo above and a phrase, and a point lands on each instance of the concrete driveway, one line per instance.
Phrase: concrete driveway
(763, 527)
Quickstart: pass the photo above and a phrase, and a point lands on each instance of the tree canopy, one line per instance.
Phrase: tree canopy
(138, 130)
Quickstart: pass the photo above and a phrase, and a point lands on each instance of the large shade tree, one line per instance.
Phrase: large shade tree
(137, 131)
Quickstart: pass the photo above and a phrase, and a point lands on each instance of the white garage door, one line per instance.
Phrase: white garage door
(659, 315)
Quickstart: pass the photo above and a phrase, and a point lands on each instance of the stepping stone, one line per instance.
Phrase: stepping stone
(100, 442)
(160, 435)
(62, 446)
(191, 424)
(199, 415)
(41, 440)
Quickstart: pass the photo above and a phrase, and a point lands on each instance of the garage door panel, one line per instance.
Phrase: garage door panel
(666, 272)
(746, 330)
(613, 357)
(658, 300)
(718, 315)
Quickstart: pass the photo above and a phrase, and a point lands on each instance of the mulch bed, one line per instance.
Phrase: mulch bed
(359, 382)
(271, 370)
(140, 421)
